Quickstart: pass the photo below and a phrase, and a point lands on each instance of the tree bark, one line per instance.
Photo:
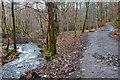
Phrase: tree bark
(87, 6)
(98, 20)
(101, 13)
(106, 12)
(13, 21)
(41, 24)
(76, 18)
(80, 15)
(56, 20)
(4, 25)
(51, 29)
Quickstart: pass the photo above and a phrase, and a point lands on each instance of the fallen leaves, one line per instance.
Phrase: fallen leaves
(111, 64)
(71, 73)
(116, 34)
(9, 56)
(112, 60)
(64, 62)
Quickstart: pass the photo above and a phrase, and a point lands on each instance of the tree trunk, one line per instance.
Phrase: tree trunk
(98, 20)
(56, 21)
(4, 24)
(76, 18)
(101, 12)
(51, 29)
(48, 30)
(106, 12)
(41, 24)
(80, 16)
(87, 6)
(118, 23)
(14, 32)
(3, 27)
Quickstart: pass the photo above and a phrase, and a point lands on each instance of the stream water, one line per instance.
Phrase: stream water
(27, 60)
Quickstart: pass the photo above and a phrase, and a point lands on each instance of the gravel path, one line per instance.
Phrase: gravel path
(100, 57)
(27, 60)
(100, 43)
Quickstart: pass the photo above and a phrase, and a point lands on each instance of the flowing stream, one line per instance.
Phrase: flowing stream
(27, 60)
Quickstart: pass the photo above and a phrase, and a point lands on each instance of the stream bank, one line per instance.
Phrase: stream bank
(27, 60)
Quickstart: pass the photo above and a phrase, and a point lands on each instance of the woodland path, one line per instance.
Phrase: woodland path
(100, 46)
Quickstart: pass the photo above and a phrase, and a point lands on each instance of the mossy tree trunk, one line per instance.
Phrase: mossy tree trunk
(51, 38)
(4, 24)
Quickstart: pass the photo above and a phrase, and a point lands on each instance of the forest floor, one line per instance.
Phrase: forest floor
(99, 60)
(69, 49)
(75, 59)
(101, 57)
(115, 34)
(64, 63)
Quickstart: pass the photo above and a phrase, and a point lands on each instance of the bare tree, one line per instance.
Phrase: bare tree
(13, 21)
(4, 24)
(87, 7)
(76, 18)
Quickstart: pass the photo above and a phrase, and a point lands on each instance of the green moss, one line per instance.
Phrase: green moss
(79, 31)
(49, 52)
(116, 26)
(114, 33)
(6, 48)
(41, 52)
(47, 56)
(39, 45)
(60, 46)
(9, 53)
(62, 50)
